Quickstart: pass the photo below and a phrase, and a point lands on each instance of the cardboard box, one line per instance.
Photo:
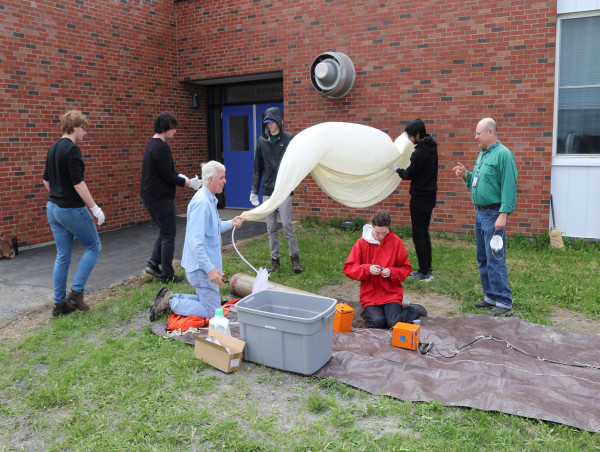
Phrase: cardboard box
(406, 335)
(217, 355)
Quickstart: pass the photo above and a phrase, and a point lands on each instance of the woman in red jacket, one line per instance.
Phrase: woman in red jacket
(380, 262)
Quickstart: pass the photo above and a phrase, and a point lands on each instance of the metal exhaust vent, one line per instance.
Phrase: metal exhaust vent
(332, 74)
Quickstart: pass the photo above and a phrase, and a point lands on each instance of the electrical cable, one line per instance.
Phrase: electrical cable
(426, 347)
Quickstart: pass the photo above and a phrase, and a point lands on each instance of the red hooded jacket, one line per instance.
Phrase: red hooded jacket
(389, 253)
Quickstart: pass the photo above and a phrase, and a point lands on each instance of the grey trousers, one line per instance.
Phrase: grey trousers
(285, 212)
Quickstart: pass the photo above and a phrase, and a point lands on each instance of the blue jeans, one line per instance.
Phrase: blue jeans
(203, 304)
(67, 224)
(492, 264)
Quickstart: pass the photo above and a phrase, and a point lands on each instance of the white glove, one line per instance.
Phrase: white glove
(97, 212)
(195, 183)
(183, 175)
(394, 167)
(254, 199)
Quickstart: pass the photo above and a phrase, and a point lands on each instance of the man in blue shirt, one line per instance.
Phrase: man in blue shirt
(202, 258)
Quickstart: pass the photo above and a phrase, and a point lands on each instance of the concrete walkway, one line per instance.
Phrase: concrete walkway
(26, 281)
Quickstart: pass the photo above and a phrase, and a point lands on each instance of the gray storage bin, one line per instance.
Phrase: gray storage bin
(288, 331)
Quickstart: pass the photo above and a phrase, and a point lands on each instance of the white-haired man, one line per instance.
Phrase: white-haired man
(202, 258)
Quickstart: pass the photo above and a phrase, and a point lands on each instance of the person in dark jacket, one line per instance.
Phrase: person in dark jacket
(159, 181)
(269, 151)
(423, 173)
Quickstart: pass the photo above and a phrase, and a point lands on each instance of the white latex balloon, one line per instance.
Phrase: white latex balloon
(350, 162)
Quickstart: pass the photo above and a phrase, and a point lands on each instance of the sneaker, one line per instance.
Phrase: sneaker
(418, 276)
(296, 263)
(62, 309)
(483, 304)
(274, 265)
(153, 269)
(75, 300)
(420, 309)
(175, 279)
(161, 303)
(498, 311)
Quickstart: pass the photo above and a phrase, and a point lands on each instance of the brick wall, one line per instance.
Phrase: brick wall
(114, 60)
(122, 61)
(450, 63)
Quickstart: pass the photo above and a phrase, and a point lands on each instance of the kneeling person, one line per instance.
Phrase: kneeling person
(380, 262)
(202, 258)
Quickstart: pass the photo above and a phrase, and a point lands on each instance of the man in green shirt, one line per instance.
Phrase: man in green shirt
(493, 186)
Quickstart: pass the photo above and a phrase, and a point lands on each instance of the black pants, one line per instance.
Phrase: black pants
(421, 208)
(163, 213)
(387, 315)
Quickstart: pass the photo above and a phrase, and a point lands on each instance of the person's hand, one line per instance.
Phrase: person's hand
(460, 170)
(375, 270)
(216, 276)
(97, 212)
(385, 273)
(195, 183)
(394, 168)
(501, 221)
(183, 175)
(254, 199)
(238, 221)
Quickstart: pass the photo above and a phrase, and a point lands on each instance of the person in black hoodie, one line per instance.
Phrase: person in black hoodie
(422, 172)
(270, 148)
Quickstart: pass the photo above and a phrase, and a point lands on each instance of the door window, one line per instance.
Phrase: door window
(239, 136)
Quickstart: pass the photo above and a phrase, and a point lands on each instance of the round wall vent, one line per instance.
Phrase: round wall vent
(332, 74)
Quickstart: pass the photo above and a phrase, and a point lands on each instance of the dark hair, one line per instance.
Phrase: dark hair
(416, 126)
(381, 218)
(164, 122)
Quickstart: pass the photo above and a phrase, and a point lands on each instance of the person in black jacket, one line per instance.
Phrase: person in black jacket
(270, 149)
(159, 181)
(422, 172)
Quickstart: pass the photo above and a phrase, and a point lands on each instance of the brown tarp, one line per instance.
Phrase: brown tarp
(507, 369)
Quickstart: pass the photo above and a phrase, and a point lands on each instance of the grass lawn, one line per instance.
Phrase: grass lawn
(100, 380)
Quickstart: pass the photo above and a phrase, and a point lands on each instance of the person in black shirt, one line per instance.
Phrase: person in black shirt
(68, 200)
(159, 181)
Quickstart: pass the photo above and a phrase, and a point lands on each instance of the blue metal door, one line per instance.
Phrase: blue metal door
(242, 126)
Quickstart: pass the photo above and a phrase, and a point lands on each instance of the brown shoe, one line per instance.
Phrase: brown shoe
(62, 309)
(75, 300)
(296, 263)
(161, 303)
(274, 265)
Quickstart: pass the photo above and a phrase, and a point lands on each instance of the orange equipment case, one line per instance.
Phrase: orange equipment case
(342, 320)
(406, 335)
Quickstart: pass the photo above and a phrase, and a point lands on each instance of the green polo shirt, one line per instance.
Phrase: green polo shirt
(496, 174)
